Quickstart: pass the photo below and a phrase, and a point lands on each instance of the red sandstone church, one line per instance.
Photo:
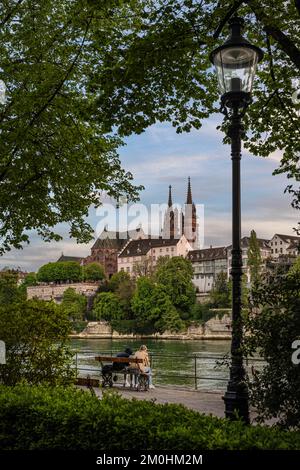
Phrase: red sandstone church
(177, 222)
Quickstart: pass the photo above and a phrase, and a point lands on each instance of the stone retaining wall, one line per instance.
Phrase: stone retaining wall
(215, 328)
(55, 291)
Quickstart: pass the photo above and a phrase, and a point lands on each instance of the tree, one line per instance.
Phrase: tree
(61, 271)
(176, 274)
(254, 258)
(9, 291)
(29, 280)
(272, 328)
(157, 68)
(73, 304)
(152, 306)
(117, 279)
(55, 154)
(220, 293)
(107, 307)
(93, 272)
(170, 321)
(36, 334)
(143, 268)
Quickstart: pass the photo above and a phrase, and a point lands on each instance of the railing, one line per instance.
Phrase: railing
(206, 372)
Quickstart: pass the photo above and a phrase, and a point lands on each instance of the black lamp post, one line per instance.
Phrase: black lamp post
(235, 62)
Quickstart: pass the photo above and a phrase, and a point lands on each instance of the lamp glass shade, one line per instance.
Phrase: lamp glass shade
(235, 67)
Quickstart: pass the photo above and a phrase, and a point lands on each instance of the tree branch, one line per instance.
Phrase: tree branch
(9, 15)
(286, 44)
(228, 15)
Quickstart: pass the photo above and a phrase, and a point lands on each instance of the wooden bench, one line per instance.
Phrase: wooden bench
(109, 376)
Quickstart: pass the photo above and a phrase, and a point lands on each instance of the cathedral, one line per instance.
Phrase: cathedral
(178, 221)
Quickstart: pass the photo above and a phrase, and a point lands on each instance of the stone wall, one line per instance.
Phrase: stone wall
(55, 291)
(215, 328)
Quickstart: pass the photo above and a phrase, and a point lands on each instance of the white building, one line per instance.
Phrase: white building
(207, 264)
(265, 253)
(284, 245)
(139, 257)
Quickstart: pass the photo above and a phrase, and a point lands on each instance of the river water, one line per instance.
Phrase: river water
(189, 364)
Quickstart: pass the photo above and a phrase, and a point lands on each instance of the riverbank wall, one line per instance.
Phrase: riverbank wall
(215, 328)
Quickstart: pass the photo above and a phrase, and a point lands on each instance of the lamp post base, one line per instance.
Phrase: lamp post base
(236, 405)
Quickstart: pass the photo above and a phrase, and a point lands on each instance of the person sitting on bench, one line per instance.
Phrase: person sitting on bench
(120, 366)
(142, 353)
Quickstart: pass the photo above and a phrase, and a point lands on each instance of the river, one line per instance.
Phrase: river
(189, 364)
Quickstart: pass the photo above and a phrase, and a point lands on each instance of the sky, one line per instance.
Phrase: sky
(158, 158)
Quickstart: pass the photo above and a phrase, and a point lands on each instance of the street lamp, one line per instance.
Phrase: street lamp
(235, 62)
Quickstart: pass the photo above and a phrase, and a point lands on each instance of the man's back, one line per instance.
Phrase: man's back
(121, 365)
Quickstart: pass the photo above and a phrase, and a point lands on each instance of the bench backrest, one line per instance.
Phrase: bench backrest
(118, 359)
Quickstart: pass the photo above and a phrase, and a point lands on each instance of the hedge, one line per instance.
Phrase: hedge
(44, 418)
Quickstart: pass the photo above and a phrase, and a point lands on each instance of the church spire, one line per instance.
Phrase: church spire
(170, 197)
(189, 193)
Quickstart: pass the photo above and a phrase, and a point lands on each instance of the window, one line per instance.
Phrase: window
(281, 243)
(276, 251)
(172, 249)
(160, 250)
(167, 249)
(272, 251)
(280, 250)
(128, 269)
(122, 269)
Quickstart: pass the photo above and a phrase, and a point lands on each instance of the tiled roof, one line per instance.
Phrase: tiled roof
(141, 247)
(70, 258)
(287, 238)
(207, 254)
(294, 244)
(245, 241)
(117, 240)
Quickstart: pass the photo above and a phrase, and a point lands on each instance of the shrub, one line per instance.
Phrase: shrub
(274, 390)
(36, 334)
(93, 272)
(45, 418)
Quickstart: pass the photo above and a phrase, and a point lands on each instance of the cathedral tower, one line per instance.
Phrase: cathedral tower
(189, 219)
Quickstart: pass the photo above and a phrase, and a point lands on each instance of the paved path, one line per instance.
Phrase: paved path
(204, 402)
(209, 403)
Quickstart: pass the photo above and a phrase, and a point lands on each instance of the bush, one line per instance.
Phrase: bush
(45, 418)
(272, 328)
(79, 326)
(36, 335)
(93, 272)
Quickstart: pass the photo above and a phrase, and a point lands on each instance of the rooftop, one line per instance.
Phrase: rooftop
(287, 238)
(116, 240)
(141, 247)
(69, 258)
(245, 241)
(208, 254)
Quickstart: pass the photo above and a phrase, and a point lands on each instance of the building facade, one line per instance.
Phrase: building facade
(284, 245)
(107, 247)
(139, 257)
(207, 264)
(265, 253)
